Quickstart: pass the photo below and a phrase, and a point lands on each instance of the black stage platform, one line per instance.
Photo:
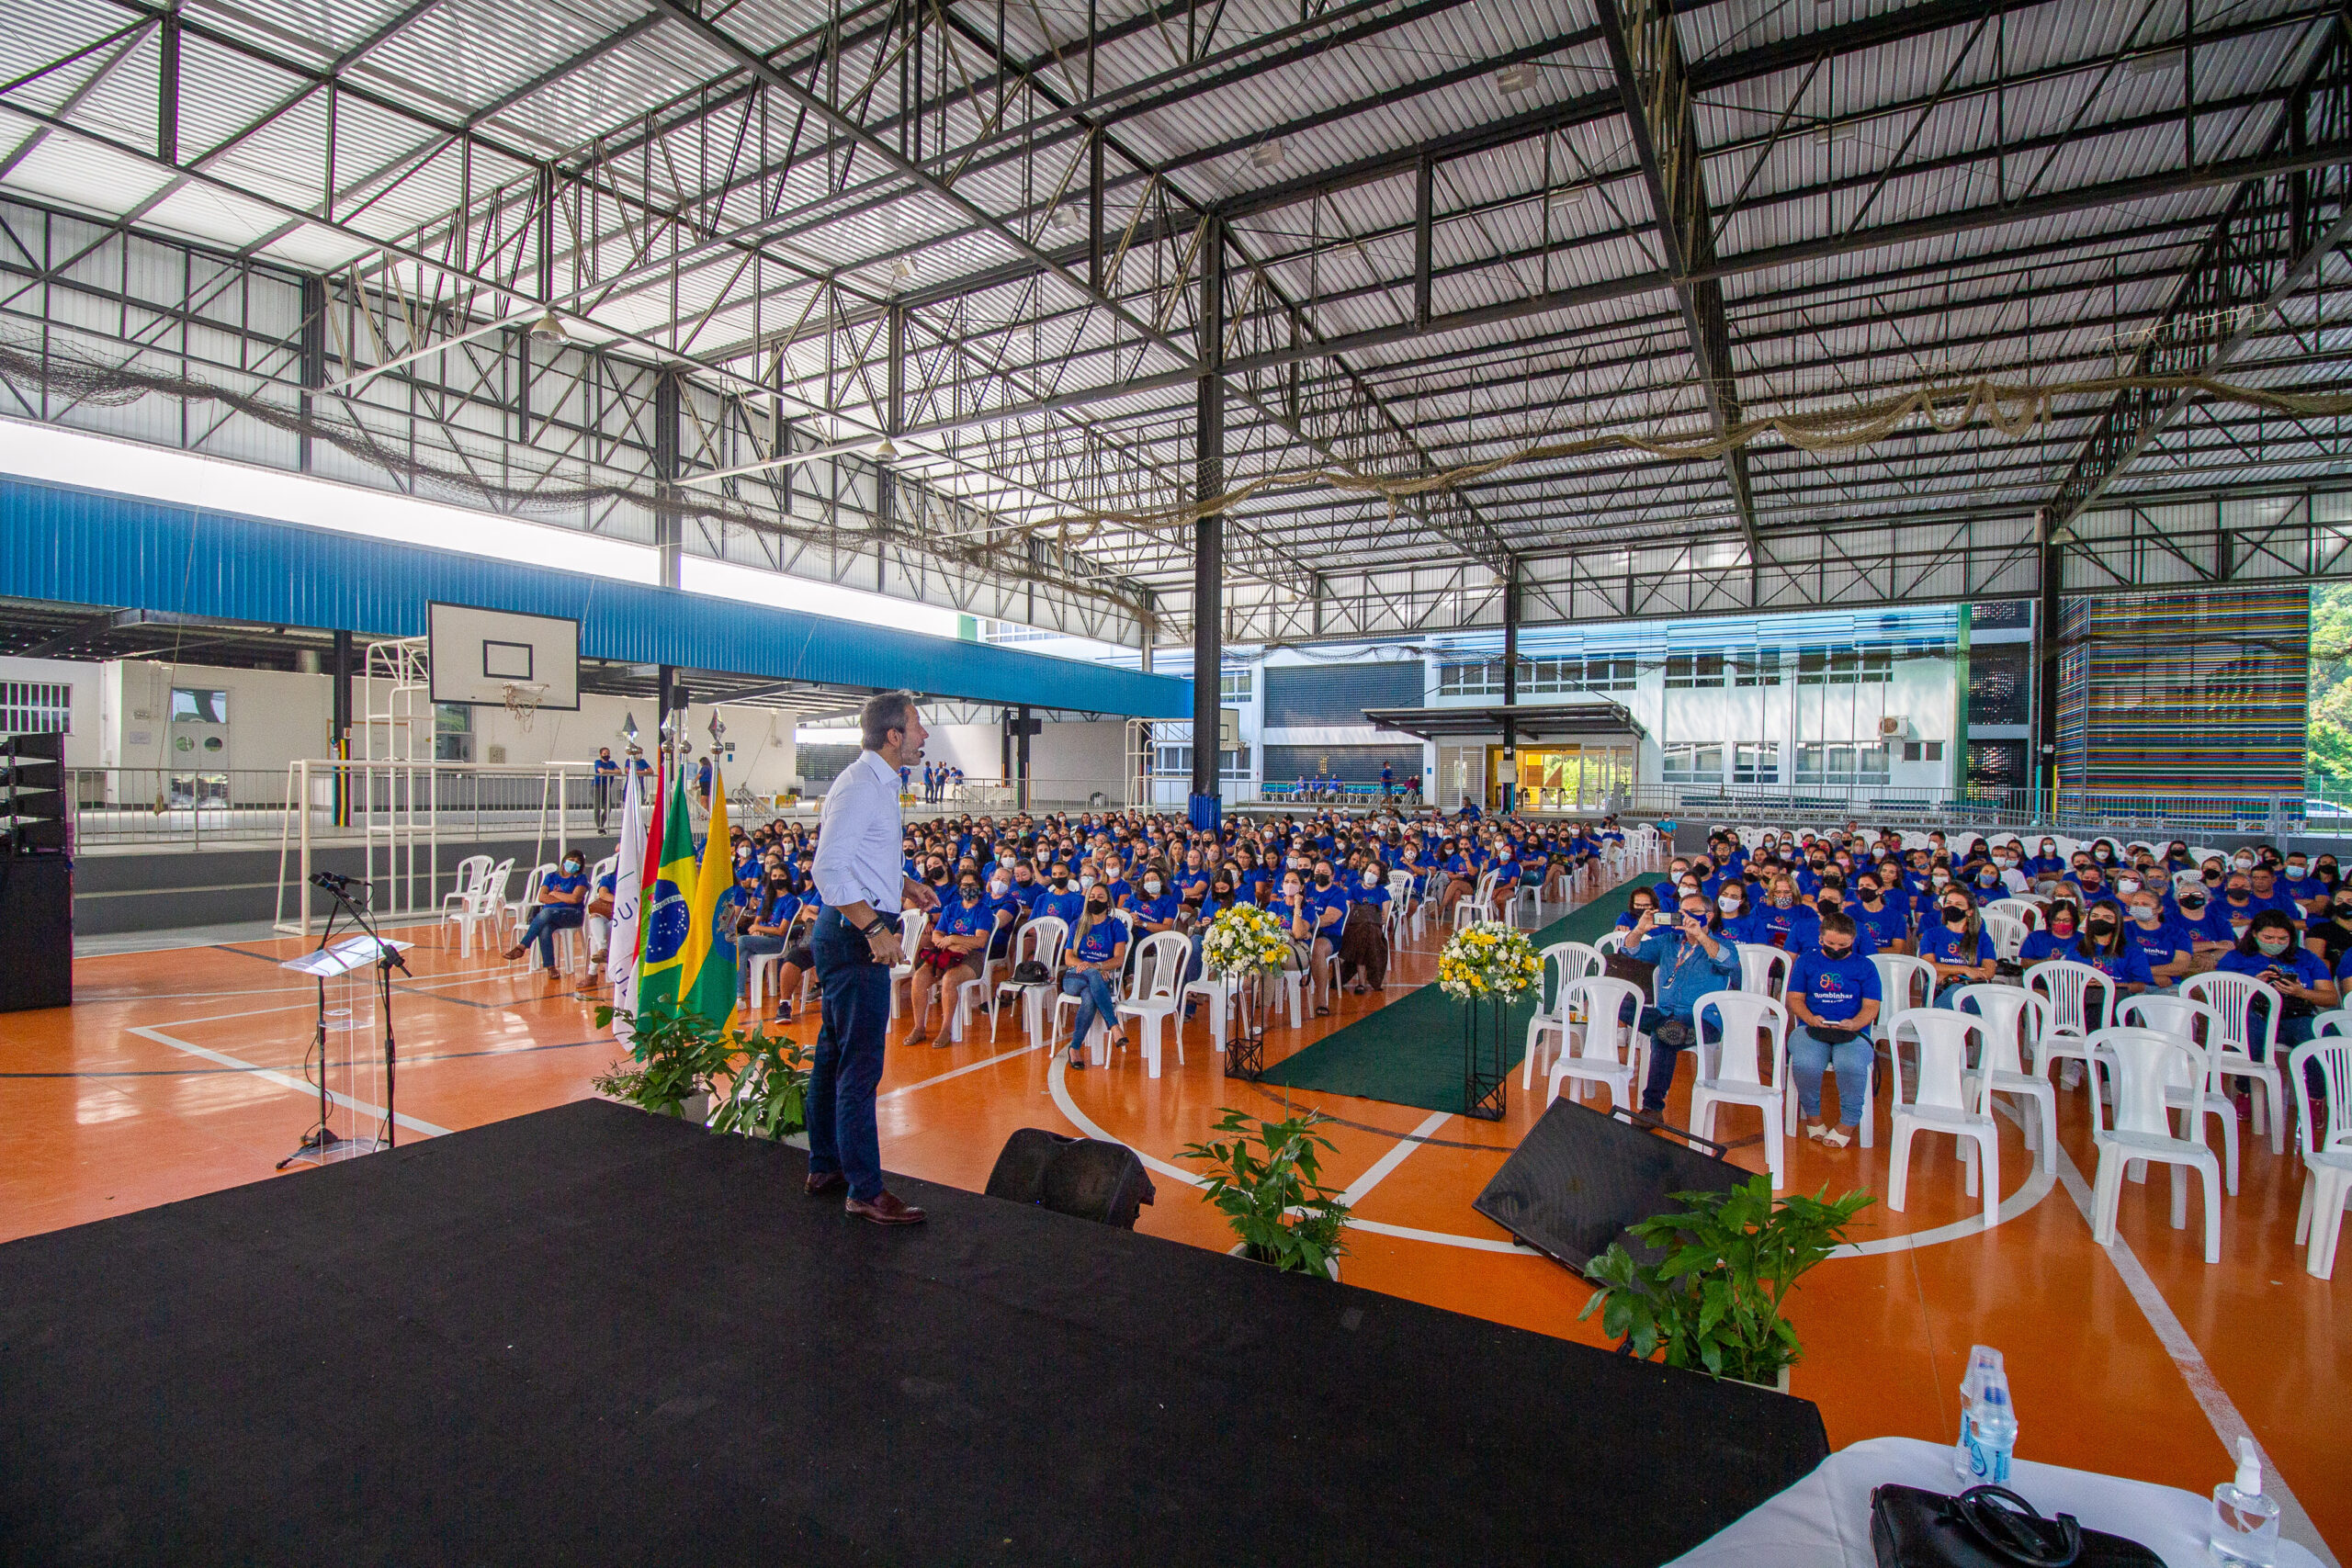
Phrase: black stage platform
(596, 1336)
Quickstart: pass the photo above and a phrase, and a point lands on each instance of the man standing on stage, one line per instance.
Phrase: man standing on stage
(863, 879)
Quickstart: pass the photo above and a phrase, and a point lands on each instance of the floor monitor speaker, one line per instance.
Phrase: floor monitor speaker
(1089, 1178)
(1580, 1177)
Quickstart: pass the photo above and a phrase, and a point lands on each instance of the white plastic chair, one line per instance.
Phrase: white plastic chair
(1101, 1039)
(1529, 888)
(2232, 997)
(1042, 940)
(2026, 911)
(1479, 906)
(2014, 1022)
(1742, 1020)
(2008, 934)
(1944, 1096)
(1610, 1048)
(1563, 961)
(1763, 968)
(476, 903)
(598, 928)
(516, 913)
(969, 992)
(1400, 891)
(2067, 987)
(2327, 1151)
(1157, 992)
(2200, 1025)
(2143, 1064)
(911, 925)
(473, 872)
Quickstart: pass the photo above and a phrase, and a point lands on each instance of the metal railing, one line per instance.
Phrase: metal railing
(2072, 811)
(164, 807)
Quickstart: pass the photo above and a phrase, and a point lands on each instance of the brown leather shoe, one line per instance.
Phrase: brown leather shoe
(884, 1210)
(821, 1183)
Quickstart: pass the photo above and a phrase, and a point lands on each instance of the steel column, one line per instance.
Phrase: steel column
(1208, 534)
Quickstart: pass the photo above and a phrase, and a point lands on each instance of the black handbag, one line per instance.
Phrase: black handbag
(1625, 966)
(1029, 972)
(1988, 1526)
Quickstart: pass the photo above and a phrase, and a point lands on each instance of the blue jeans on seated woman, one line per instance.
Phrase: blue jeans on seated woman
(1811, 1057)
(1095, 1000)
(545, 921)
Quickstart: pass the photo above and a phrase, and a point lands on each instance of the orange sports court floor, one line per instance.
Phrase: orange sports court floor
(179, 1072)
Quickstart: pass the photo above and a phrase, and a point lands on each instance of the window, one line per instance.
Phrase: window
(195, 705)
(1837, 763)
(1923, 750)
(35, 707)
(1756, 763)
(1692, 764)
(1761, 668)
(1470, 680)
(1685, 671)
(1233, 686)
(1845, 665)
(453, 737)
(1173, 759)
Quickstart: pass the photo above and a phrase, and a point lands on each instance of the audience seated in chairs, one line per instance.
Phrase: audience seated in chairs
(563, 897)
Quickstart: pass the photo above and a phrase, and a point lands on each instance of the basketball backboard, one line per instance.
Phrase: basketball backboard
(475, 655)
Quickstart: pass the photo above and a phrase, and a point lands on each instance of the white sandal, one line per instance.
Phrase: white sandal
(1837, 1137)
(1816, 1130)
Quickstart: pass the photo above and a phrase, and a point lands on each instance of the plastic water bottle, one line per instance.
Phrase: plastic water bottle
(2244, 1525)
(1988, 1422)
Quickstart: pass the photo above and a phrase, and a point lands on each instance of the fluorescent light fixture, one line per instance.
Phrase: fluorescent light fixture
(1266, 154)
(1565, 197)
(1063, 218)
(2158, 63)
(902, 269)
(1512, 80)
(1832, 131)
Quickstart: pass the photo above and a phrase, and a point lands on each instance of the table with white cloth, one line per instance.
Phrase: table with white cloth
(1824, 1521)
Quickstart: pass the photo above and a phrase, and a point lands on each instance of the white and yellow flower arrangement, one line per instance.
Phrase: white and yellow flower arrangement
(1245, 940)
(1488, 959)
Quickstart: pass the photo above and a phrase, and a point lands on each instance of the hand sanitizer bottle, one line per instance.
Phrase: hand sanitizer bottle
(2244, 1528)
(1988, 1422)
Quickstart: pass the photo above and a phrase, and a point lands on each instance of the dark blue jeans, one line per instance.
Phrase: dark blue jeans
(546, 920)
(848, 1063)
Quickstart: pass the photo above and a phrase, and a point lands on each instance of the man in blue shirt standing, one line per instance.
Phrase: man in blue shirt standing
(1693, 956)
(606, 772)
(1834, 996)
(855, 945)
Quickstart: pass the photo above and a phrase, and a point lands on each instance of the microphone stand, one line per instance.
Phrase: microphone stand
(322, 1137)
(386, 959)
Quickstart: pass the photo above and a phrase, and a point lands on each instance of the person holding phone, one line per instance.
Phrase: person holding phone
(1691, 954)
(2270, 952)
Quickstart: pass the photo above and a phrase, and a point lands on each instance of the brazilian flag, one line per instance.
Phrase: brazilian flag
(667, 919)
(707, 959)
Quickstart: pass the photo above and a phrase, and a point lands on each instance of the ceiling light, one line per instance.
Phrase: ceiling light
(1832, 131)
(2157, 63)
(1565, 197)
(1516, 79)
(883, 450)
(550, 328)
(1063, 218)
(1266, 154)
(903, 269)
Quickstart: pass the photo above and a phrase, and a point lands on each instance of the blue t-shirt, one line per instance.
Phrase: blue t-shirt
(1064, 907)
(2307, 967)
(1795, 928)
(2129, 967)
(1864, 943)
(957, 920)
(1940, 944)
(1330, 908)
(1371, 891)
(780, 909)
(2159, 943)
(1160, 910)
(561, 881)
(606, 765)
(1887, 924)
(2208, 924)
(2042, 944)
(1834, 988)
(1102, 940)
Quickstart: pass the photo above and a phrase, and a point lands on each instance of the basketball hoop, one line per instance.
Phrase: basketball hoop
(523, 698)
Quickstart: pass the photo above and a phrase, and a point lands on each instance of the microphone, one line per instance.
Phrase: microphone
(335, 883)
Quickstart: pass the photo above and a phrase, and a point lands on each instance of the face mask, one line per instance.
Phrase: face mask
(1152, 886)
(2101, 928)
(2296, 869)
(971, 894)
(1869, 895)
(2063, 926)
(2127, 884)
(2243, 863)
(1096, 905)
(2007, 860)
(1024, 878)
(1783, 899)
(1728, 903)
(1061, 880)
(1221, 891)
(573, 866)
(1939, 876)
(1988, 877)
(2192, 902)
(1836, 953)
(1322, 879)
(1689, 889)
(998, 888)
(2271, 946)
(1087, 881)
(1955, 916)
(2047, 848)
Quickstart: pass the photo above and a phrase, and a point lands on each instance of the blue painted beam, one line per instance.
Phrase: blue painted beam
(85, 547)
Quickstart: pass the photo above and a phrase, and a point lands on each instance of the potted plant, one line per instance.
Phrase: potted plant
(1715, 1300)
(676, 1054)
(1268, 1183)
(769, 1098)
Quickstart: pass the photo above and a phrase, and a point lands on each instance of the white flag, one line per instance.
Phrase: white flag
(628, 887)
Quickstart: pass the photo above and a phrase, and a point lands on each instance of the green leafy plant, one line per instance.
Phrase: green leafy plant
(1267, 1182)
(676, 1052)
(771, 1095)
(1717, 1300)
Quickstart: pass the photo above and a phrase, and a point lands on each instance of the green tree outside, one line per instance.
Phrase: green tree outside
(2327, 750)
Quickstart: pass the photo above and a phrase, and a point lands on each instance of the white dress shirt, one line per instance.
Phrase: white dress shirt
(860, 858)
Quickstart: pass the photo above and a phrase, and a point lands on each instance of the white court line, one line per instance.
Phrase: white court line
(2196, 1372)
(955, 1072)
(285, 1081)
(1393, 1158)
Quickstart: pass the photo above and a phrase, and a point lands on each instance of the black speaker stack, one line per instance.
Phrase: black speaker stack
(36, 875)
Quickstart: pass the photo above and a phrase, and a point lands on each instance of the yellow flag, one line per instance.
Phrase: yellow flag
(707, 961)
